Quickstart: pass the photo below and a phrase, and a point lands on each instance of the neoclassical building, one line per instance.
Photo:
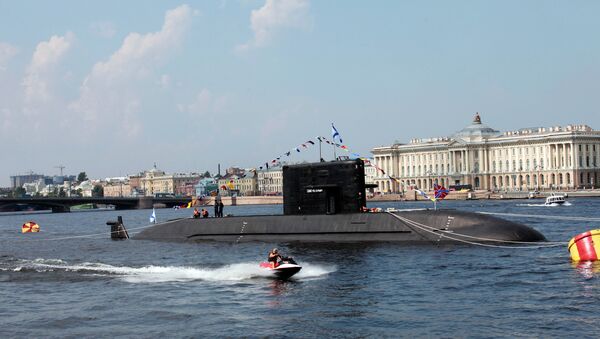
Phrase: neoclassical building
(480, 156)
(156, 181)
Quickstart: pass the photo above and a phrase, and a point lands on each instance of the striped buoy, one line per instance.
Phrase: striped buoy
(30, 227)
(585, 246)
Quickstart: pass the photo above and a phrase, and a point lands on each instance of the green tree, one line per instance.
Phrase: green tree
(98, 191)
(206, 174)
(54, 192)
(82, 177)
(62, 193)
(19, 192)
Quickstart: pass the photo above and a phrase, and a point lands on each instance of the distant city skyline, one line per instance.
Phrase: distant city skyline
(111, 87)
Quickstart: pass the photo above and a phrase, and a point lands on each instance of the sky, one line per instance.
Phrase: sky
(113, 87)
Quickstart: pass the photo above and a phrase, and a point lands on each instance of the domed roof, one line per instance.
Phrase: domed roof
(154, 172)
(476, 131)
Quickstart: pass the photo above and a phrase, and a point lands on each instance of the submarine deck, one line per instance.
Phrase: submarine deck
(416, 226)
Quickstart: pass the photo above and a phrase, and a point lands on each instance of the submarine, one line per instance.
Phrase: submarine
(325, 202)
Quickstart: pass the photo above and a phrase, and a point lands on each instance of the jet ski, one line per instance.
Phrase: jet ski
(284, 269)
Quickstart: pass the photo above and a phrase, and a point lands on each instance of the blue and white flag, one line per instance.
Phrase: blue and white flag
(424, 195)
(153, 216)
(335, 134)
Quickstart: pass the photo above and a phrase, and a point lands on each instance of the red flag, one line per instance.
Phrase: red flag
(440, 191)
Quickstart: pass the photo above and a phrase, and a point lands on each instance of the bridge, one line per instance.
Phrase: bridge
(64, 204)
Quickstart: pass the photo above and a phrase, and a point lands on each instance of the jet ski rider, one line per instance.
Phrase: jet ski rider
(274, 258)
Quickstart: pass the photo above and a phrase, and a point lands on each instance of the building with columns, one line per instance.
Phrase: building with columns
(480, 156)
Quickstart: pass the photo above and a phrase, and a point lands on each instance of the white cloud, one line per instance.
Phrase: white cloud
(7, 52)
(40, 74)
(165, 81)
(104, 29)
(204, 104)
(111, 90)
(274, 16)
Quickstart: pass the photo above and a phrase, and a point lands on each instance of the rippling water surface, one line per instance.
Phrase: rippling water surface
(71, 280)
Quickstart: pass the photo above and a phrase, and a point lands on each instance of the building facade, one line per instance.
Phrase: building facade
(484, 158)
(117, 189)
(156, 181)
(20, 180)
(244, 184)
(270, 182)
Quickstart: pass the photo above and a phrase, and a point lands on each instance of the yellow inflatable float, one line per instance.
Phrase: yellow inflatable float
(30, 227)
(585, 246)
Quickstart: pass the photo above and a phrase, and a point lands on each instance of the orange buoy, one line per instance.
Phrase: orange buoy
(585, 246)
(30, 227)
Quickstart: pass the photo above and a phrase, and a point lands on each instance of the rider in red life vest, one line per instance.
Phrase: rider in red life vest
(274, 258)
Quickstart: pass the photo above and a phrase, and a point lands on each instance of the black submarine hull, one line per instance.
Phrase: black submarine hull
(414, 226)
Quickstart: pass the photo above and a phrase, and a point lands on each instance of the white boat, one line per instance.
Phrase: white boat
(555, 199)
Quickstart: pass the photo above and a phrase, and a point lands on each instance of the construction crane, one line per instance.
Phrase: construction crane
(61, 169)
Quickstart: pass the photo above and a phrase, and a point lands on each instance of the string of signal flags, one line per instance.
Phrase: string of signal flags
(440, 192)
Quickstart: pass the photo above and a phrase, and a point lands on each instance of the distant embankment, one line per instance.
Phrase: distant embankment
(414, 196)
(258, 200)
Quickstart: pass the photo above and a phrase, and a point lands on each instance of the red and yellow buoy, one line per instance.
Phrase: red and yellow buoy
(30, 227)
(585, 246)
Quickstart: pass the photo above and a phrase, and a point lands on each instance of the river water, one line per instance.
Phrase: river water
(71, 280)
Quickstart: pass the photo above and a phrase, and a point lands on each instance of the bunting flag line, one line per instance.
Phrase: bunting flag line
(440, 194)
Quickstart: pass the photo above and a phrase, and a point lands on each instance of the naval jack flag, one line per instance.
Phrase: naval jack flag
(335, 134)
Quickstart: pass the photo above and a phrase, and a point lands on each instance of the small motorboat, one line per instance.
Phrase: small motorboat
(555, 199)
(284, 269)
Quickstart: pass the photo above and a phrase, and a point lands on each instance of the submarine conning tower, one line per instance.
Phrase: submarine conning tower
(334, 187)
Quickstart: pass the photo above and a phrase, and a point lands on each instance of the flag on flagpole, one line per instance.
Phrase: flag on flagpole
(335, 134)
(440, 191)
(153, 216)
(424, 195)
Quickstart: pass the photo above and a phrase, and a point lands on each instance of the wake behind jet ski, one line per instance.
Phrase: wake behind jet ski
(281, 267)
